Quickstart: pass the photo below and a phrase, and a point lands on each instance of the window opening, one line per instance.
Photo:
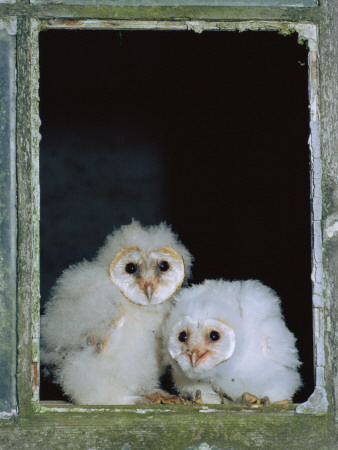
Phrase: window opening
(205, 131)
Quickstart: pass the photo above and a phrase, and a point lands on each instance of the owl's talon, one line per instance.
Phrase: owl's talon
(250, 399)
(198, 397)
(266, 401)
(281, 402)
(184, 401)
(164, 398)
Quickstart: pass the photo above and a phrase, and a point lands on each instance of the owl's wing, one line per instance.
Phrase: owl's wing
(277, 343)
(264, 326)
(83, 306)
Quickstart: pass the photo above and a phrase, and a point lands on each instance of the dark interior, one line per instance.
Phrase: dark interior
(207, 132)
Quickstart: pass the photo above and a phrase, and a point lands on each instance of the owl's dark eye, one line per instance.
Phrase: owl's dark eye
(163, 266)
(214, 335)
(131, 268)
(182, 337)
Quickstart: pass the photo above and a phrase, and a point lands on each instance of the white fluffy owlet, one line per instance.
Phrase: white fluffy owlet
(101, 323)
(230, 338)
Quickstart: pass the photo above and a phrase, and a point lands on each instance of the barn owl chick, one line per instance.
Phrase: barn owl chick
(229, 338)
(101, 325)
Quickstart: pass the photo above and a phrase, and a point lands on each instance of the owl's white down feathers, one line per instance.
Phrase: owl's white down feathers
(264, 361)
(86, 308)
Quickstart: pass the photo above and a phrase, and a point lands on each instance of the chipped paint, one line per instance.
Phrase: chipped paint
(8, 415)
(35, 376)
(331, 227)
(306, 32)
(10, 25)
(317, 403)
(316, 192)
(51, 406)
(197, 27)
(203, 446)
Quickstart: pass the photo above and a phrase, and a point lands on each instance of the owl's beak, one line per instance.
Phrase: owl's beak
(196, 355)
(148, 290)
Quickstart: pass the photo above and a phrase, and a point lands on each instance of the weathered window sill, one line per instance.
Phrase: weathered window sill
(235, 408)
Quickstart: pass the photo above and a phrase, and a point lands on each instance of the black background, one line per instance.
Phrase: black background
(207, 132)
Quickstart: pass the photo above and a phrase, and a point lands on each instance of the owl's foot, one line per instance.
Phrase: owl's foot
(281, 402)
(250, 399)
(164, 398)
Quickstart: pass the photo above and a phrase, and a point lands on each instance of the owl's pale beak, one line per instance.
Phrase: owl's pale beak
(148, 290)
(196, 355)
(194, 359)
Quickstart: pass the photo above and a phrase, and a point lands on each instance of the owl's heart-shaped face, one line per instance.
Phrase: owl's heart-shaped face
(199, 345)
(147, 278)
